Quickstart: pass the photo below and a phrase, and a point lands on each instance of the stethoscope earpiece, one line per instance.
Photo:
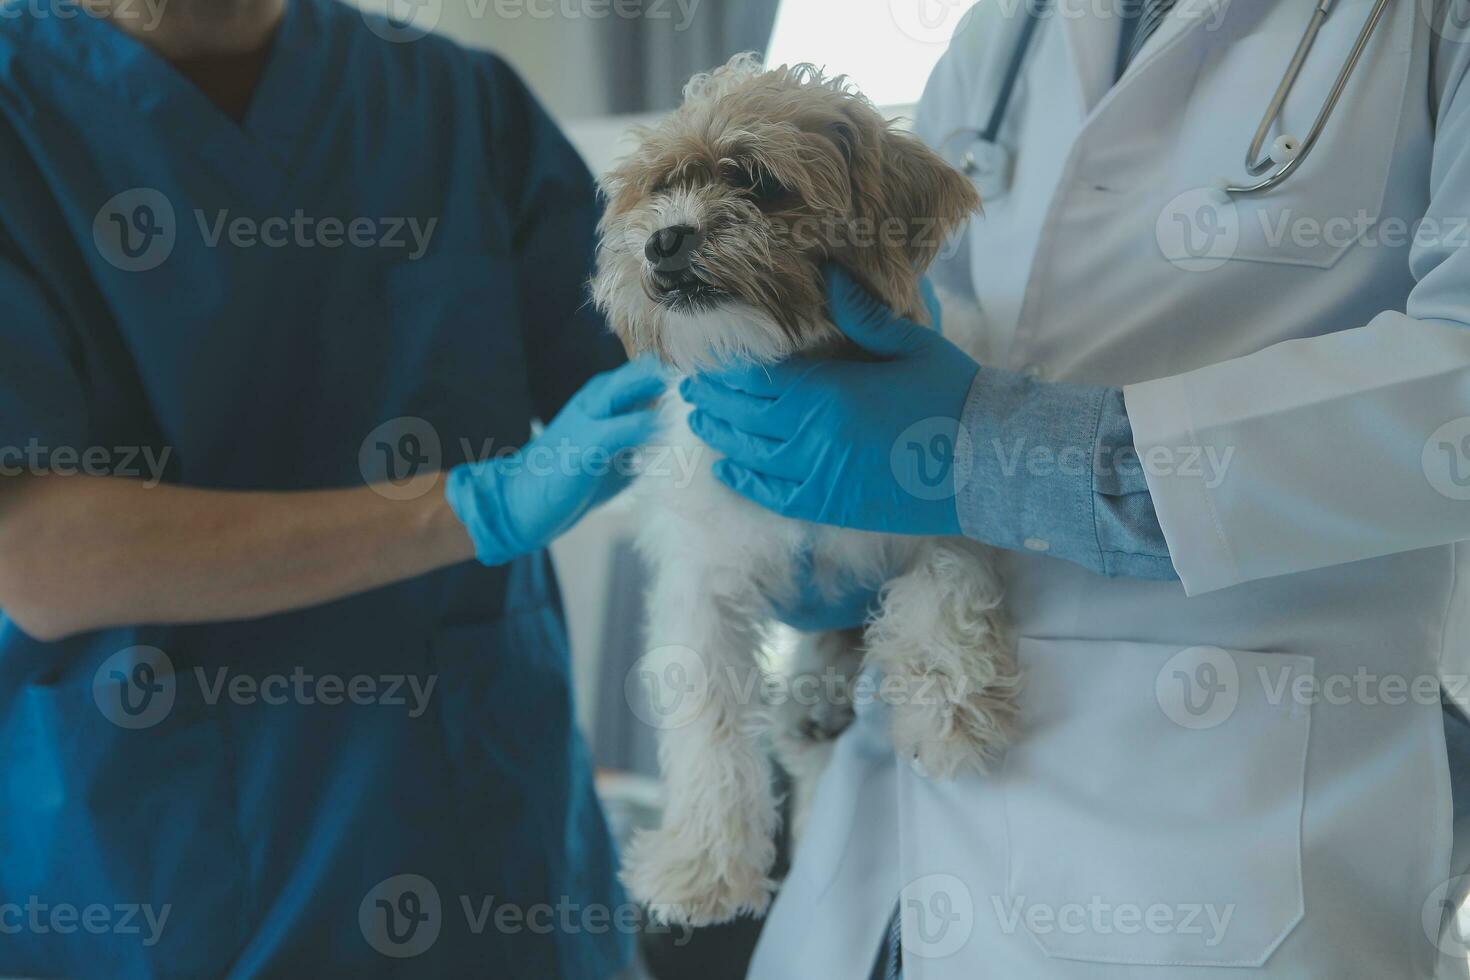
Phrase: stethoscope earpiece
(989, 165)
(1284, 149)
(1287, 152)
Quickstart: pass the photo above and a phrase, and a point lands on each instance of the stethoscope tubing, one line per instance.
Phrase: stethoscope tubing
(1255, 163)
(1278, 102)
(1034, 8)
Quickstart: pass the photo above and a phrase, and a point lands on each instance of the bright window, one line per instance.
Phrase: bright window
(888, 47)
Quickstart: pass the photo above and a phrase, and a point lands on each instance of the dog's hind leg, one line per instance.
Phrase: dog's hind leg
(941, 641)
(710, 861)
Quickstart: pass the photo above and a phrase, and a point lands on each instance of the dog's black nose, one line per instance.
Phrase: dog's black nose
(671, 249)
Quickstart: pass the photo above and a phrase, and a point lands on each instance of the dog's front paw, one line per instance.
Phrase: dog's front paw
(687, 885)
(949, 724)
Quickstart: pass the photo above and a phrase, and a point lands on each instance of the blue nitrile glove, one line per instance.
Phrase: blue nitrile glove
(812, 612)
(869, 445)
(518, 504)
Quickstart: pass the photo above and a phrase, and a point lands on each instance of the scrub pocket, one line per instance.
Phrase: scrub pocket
(116, 795)
(1154, 803)
(523, 783)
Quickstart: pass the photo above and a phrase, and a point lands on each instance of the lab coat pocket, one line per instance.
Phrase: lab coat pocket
(1154, 803)
(1333, 202)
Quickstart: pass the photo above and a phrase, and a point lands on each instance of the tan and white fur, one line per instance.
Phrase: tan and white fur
(716, 233)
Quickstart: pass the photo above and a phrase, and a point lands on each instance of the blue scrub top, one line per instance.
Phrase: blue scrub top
(275, 834)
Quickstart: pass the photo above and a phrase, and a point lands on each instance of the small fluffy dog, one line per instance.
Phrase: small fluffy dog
(712, 249)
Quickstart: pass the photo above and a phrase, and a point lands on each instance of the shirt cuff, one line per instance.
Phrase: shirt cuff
(1052, 471)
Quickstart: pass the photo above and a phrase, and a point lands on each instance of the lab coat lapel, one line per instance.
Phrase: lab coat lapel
(1132, 115)
(1093, 29)
(1092, 41)
(1183, 33)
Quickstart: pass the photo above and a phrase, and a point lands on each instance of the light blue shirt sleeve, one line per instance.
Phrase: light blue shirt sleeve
(1050, 468)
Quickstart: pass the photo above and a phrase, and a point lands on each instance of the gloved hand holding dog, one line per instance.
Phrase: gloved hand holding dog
(825, 440)
(510, 511)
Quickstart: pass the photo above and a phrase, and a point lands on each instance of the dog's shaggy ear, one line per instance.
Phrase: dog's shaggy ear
(922, 185)
(907, 202)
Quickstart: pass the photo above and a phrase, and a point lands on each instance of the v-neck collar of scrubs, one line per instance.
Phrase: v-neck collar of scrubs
(257, 151)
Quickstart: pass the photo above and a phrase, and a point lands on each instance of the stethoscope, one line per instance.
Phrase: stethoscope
(990, 164)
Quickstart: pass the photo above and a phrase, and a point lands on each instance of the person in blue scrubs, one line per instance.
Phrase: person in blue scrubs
(265, 278)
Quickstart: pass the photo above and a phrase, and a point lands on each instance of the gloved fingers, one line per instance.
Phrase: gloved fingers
(864, 319)
(814, 613)
(631, 386)
(746, 412)
(750, 451)
(763, 380)
(627, 431)
(772, 493)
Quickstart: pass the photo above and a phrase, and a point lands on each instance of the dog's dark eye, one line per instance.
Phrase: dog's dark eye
(763, 186)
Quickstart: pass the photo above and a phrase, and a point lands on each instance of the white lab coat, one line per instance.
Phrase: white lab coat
(1180, 799)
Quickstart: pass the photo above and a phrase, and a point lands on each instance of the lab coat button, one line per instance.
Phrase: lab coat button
(1037, 544)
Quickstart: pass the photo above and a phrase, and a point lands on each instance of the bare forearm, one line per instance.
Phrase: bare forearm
(80, 553)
